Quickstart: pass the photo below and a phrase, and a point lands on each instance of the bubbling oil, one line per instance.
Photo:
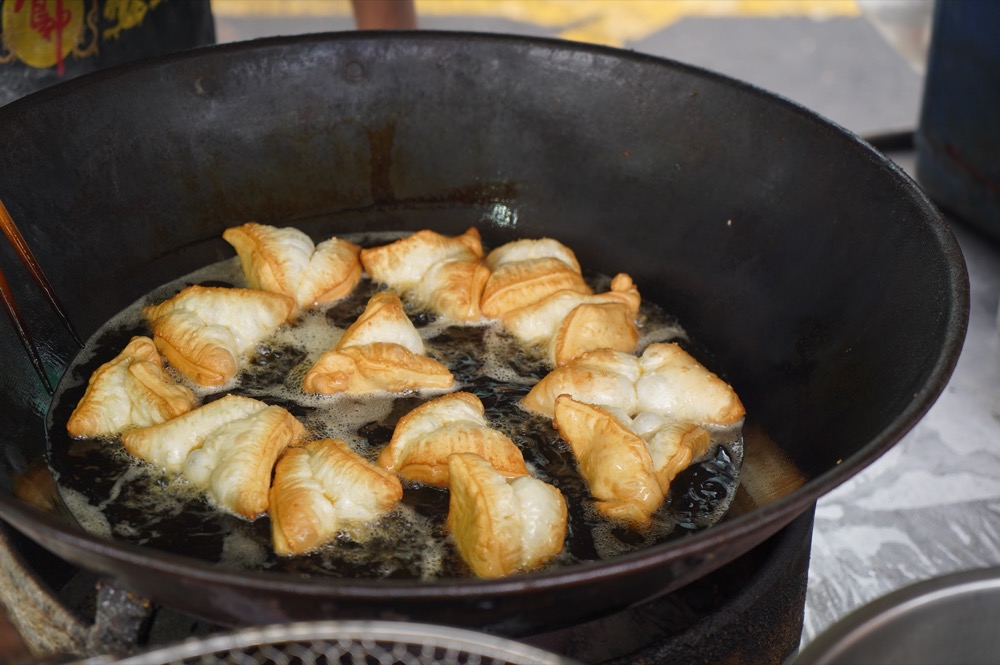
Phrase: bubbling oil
(116, 496)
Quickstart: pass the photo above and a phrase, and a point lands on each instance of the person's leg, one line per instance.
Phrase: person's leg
(384, 14)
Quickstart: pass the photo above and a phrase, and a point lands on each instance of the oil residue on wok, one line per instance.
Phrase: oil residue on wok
(114, 495)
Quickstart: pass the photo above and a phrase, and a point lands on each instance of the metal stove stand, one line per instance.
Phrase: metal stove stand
(749, 611)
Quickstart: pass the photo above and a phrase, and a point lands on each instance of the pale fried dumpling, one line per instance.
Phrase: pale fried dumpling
(528, 271)
(131, 390)
(403, 263)
(380, 352)
(453, 423)
(603, 377)
(384, 320)
(445, 275)
(570, 323)
(522, 283)
(536, 324)
(526, 249)
(285, 260)
(672, 444)
(502, 525)
(674, 384)
(333, 272)
(613, 460)
(664, 380)
(375, 367)
(234, 462)
(168, 444)
(454, 289)
(203, 331)
(594, 326)
(321, 488)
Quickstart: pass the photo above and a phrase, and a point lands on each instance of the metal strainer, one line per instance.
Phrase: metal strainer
(343, 643)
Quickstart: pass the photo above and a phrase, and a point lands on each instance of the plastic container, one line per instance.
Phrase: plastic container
(958, 139)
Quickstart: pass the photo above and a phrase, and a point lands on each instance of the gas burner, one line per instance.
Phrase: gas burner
(748, 611)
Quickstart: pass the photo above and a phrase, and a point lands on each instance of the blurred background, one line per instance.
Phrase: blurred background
(858, 62)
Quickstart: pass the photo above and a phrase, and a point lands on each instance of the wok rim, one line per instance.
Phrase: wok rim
(759, 523)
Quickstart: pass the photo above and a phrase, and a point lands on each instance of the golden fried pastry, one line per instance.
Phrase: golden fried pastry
(665, 380)
(613, 460)
(445, 275)
(454, 289)
(527, 249)
(381, 352)
(376, 367)
(131, 390)
(569, 323)
(383, 320)
(234, 462)
(537, 324)
(402, 264)
(672, 444)
(603, 377)
(453, 423)
(321, 488)
(501, 525)
(675, 384)
(285, 260)
(522, 283)
(594, 326)
(168, 444)
(204, 331)
(528, 271)
(634, 422)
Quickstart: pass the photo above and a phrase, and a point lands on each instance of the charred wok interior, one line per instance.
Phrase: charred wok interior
(815, 277)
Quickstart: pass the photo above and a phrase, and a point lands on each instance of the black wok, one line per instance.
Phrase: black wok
(813, 274)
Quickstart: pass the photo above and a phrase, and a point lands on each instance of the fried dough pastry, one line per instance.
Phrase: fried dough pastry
(672, 444)
(444, 274)
(675, 384)
(501, 525)
(526, 249)
(604, 377)
(285, 261)
(381, 352)
(377, 367)
(168, 444)
(203, 331)
(522, 283)
(234, 463)
(321, 488)
(131, 390)
(228, 447)
(594, 326)
(527, 271)
(613, 460)
(453, 423)
(383, 320)
(569, 323)
(454, 289)
(665, 380)
(403, 263)
(635, 423)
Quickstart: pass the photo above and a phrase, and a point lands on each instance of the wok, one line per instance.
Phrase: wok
(813, 274)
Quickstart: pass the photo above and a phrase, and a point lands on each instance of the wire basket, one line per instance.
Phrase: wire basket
(343, 643)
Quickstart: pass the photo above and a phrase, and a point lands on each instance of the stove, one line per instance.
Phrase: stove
(749, 611)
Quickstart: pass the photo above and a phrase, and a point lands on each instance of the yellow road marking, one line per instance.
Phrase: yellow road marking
(611, 22)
